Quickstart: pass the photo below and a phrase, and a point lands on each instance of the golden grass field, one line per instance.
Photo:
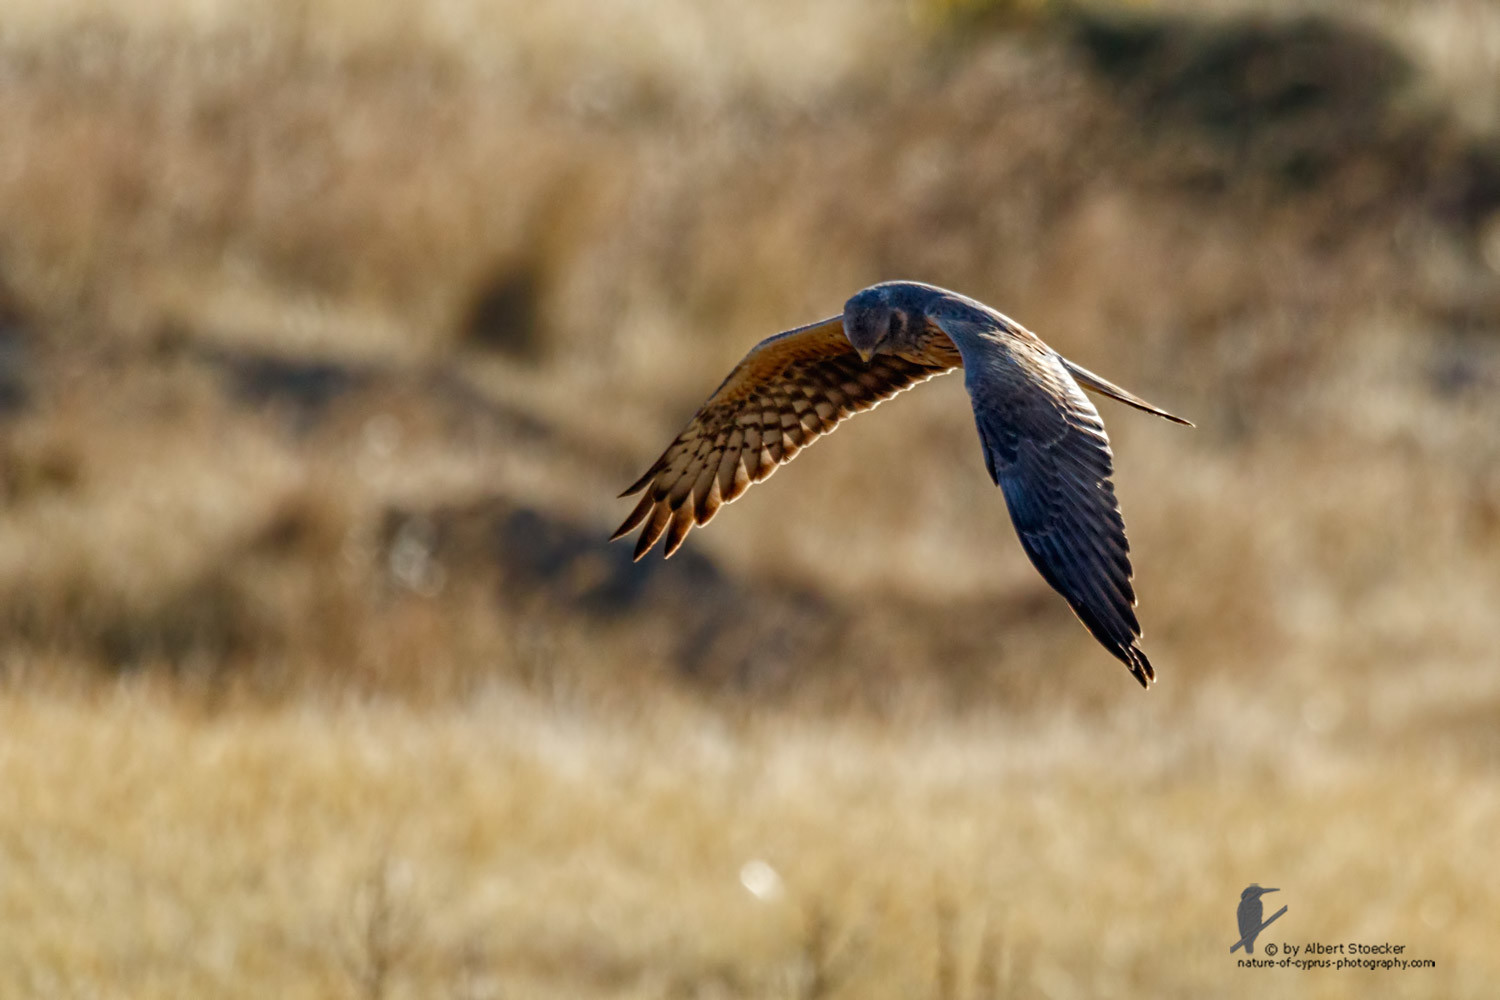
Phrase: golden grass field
(330, 330)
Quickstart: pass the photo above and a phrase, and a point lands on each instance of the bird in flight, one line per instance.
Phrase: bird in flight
(1043, 441)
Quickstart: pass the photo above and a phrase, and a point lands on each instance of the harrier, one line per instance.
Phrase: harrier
(1043, 441)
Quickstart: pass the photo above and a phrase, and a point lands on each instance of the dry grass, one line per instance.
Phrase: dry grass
(518, 846)
(327, 335)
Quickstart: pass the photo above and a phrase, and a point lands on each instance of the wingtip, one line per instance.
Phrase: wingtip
(677, 531)
(1140, 667)
(642, 552)
(1105, 387)
(634, 518)
(640, 483)
(1158, 411)
(621, 532)
(642, 546)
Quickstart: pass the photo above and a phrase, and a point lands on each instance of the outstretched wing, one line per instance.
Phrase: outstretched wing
(789, 390)
(1045, 446)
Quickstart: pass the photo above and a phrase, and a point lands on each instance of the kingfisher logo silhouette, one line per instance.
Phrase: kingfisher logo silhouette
(1249, 918)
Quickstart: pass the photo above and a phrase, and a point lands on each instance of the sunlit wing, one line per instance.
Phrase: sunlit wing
(1045, 446)
(787, 392)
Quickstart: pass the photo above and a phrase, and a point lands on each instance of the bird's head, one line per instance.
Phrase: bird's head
(1254, 891)
(876, 323)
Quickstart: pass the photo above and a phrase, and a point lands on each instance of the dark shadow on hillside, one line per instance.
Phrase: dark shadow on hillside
(1293, 101)
(306, 390)
(730, 635)
(1332, 81)
(724, 632)
(1291, 97)
(505, 315)
(15, 355)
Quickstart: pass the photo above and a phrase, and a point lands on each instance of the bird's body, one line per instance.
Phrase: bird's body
(1044, 443)
(1248, 916)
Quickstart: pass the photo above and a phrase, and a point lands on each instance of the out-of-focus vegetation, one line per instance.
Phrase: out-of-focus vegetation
(328, 332)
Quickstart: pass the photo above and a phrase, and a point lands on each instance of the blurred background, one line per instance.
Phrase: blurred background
(330, 329)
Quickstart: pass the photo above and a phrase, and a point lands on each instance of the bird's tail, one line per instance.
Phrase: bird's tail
(1091, 381)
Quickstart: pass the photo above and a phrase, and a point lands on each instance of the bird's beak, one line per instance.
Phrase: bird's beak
(1264, 891)
(865, 356)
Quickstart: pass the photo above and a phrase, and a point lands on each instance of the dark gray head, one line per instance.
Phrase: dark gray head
(886, 318)
(1253, 891)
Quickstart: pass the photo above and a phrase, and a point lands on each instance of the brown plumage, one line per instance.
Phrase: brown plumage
(788, 391)
(1043, 441)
